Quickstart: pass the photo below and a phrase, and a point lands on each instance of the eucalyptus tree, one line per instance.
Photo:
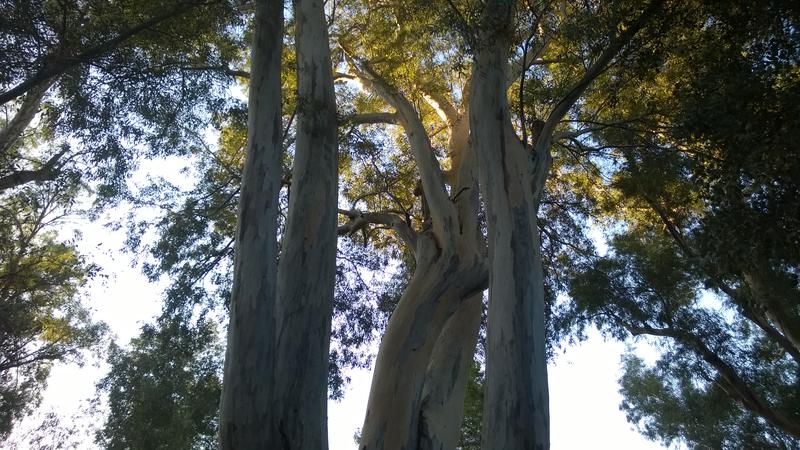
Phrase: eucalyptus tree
(103, 76)
(279, 335)
(418, 123)
(516, 409)
(42, 317)
(173, 367)
(247, 388)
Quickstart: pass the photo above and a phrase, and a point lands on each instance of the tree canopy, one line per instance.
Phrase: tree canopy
(481, 145)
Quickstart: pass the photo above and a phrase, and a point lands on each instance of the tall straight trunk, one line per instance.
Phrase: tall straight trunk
(246, 404)
(516, 412)
(306, 273)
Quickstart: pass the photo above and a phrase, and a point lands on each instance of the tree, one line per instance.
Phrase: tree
(163, 391)
(247, 391)
(706, 207)
(87, 85)
(292, 334)
(418, 123)
(42, 318)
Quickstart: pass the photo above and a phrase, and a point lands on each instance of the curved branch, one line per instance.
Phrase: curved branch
(595, 70)
(25, 114)
(442, 209)
(737, 385)
(358, 221)
(48, 172)
(443, 106)
(61, 65)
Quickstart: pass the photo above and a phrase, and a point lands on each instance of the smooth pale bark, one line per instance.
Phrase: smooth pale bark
(512, 180)
(439, 284)
(444, 390)
(246, 404)
(781, 310)
(516, 414)
(449, 270)
(30, 105)
(445, 387)
(306, 273)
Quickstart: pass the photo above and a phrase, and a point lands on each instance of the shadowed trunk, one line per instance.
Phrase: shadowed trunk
(246, 404)
(306, 273)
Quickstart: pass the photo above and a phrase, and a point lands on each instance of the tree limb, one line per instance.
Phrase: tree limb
(48, 172)
(358, 221)
(738, 386)
(542, 145)
(442, 209)
(25, 114)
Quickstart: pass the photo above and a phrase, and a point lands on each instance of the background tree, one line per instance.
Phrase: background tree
(704, 201)
(624, 123)
(42, 318)
(163, 392)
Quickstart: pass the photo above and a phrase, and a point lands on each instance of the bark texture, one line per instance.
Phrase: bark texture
(516, 414)
(417, 392)
(246, 404)
(306, 273)
(445, 386)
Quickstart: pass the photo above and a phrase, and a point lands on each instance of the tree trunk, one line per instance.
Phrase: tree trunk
(12, 131)
(781, 310)
(246, 403)
(439, 285)
(516, 412)
(306, 273)
(445, 386)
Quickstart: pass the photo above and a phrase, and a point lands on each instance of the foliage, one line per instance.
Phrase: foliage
(42, 318)
(163, 391)
(684, 150)
(702, 198)
(473, 410)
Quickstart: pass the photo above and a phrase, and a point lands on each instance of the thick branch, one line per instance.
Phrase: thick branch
(543, 140)
(359, 220)
(25, 114)
(597, 68)
(442, 210)
(443, 106)
(48, 172)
